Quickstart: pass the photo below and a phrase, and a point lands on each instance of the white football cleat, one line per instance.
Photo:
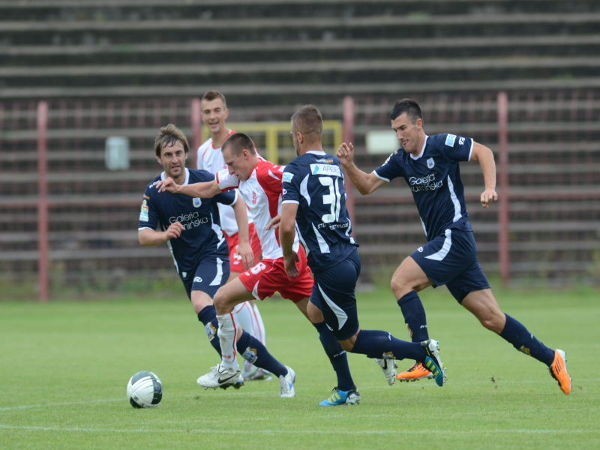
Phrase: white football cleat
(287, 383)
(389, 369)
(221, 377)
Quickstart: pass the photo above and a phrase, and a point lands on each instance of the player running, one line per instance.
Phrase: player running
(314, 202)
(430, 166)
(190, 228)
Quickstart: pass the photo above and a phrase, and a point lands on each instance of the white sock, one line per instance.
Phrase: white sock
(226, 335)
(259, 325)
(248, 317)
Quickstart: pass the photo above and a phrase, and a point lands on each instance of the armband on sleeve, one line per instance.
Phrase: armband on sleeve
(226, 181)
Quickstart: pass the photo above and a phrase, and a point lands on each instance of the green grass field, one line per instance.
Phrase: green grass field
(65, 366)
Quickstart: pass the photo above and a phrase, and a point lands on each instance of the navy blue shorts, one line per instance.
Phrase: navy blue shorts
(334, 294)
(211, 273)
(451, 260)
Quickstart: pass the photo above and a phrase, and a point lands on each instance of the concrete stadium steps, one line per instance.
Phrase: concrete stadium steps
(265, 52)
(110, 10)
(179, 9)
(550, 45)
(269, 56)
(324, 72)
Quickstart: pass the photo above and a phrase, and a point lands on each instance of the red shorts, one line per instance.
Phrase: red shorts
(235, 260)
(269, 276)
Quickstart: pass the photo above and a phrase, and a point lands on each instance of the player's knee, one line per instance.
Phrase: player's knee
(221, 303)
(315, 315)
(400, 287)
(347, 345)
(493, 322)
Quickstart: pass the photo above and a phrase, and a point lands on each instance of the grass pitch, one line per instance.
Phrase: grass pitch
(64, 367)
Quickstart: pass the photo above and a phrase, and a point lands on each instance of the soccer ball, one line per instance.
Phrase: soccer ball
(144, 390)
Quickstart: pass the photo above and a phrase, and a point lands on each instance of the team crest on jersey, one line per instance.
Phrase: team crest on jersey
(197, 202)
(450, 139)
(430, 163)
(144, 211)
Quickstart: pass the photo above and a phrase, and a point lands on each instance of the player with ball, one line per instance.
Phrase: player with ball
(190, 228)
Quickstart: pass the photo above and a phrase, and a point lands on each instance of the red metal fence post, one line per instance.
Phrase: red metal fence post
(503, 189)
(42, 203)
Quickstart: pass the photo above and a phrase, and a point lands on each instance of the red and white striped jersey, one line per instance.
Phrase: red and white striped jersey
(262, 194)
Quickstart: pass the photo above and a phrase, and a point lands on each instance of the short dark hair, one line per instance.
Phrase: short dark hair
(209, 96)
(238, 142)
(308, 120)
(408, 106)
(169, 135)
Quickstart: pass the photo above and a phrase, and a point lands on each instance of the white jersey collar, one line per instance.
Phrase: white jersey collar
(163, 176)
(422, 149)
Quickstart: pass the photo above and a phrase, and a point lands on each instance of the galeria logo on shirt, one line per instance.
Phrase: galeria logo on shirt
(189, 221)
(427, 183)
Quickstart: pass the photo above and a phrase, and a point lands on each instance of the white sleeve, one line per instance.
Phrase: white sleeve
(226, 181)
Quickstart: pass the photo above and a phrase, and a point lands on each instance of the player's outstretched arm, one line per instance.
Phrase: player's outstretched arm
(366, 183)
(205, 189)
(287, 233)
(485, 157)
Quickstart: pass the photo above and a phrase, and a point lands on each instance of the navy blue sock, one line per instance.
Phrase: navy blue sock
(338, 357)
(524, 341)
(375, 344)
(414, 316)
(208, 316)
(255, 352)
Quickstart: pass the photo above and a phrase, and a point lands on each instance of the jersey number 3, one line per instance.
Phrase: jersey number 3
(333, 199)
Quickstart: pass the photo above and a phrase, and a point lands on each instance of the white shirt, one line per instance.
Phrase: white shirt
(210, 158)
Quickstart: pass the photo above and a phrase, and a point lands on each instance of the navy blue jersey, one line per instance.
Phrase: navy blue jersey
(315, 182)
(199, 216)
(434, 179)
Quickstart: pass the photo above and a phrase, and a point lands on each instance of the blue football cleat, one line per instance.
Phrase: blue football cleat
(339, 397)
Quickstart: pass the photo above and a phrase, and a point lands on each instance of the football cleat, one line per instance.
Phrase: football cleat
(287, 382)
(558, 370)
(433, 361)
(416, 372)
(339, 397)
(389, 369)
(221, 377)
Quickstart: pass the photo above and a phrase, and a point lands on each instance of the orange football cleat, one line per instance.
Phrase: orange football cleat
(416, 372)
(558, 370)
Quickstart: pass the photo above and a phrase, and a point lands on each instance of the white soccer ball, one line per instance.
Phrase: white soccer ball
(144, 390)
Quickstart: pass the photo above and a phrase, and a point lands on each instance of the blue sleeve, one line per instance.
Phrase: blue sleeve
(456, 148)
(290, 182)
(148, 211)
(391, 168)
(227, 198)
